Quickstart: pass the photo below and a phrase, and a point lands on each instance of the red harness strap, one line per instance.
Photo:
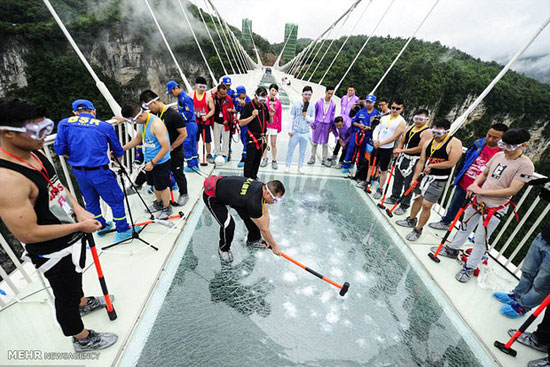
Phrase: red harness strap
(489, 212)
(358, 144)
(210, 185)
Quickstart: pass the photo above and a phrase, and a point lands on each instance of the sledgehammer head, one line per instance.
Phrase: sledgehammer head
(389, 213)
(502, 348)
(344, 289)
(436, 259)
(381, 206)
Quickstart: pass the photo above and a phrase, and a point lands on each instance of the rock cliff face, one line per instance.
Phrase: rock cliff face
(131, 64)
(12, 66)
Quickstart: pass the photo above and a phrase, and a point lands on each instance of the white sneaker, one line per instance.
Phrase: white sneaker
(287, 169)
(263, 163)
(311, 160)
(300, 171)
(226, 256)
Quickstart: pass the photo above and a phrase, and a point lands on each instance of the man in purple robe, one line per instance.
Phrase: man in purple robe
(325, 109)
(347, 102)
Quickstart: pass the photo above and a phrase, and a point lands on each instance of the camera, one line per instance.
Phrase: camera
(375, 121)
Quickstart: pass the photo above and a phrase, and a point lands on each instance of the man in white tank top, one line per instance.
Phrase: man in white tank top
(384, 136)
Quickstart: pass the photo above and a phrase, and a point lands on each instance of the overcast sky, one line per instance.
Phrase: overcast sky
(488, 29)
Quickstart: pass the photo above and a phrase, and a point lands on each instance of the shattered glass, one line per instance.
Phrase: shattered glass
(263, 310)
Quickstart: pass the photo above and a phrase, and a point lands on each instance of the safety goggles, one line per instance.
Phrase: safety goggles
(262, 99)
(507, 147)
(201, 86)
(276, 199)
(418, 118)
(34, 130)
(307, 94)
(145, 105)
(133, 120)
(438, 132)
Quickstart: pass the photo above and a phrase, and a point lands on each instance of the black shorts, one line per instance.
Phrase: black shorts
(206, 130)
(159, 177)
(383, 158)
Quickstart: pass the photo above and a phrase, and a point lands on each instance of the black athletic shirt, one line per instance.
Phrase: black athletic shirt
(258, 125)
(41, 207)
(438, 156)
(241, 193)
(412, 142)
(173, 121)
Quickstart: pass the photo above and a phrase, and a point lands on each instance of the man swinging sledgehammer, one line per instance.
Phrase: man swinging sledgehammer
(248, 197)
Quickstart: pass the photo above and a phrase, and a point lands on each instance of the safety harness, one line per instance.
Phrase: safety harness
(262, 129)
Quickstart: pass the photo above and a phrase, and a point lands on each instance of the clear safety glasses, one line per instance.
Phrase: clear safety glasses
(276, 199)
(133, 120)
(145, 105)
(201, 87)
(438, 132)
(507, 147)
(418, 118)
(34, 130)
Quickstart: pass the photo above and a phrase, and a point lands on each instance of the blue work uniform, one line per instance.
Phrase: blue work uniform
(244, 129)
(187, 110)
(86, 140)
(231, 93)
(359, 139)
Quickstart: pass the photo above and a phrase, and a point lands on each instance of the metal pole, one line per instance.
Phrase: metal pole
(115, 107)
(213, 43)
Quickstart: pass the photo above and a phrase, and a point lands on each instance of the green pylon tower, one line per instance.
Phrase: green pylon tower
(246, 32)
(291, 34)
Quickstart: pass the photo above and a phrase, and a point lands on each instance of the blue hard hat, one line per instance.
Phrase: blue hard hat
(371, 98)
(240, 90)
(83, 104)
(171, 85)
(226, 80)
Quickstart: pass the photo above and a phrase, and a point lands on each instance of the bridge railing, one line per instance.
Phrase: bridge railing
(508, 245)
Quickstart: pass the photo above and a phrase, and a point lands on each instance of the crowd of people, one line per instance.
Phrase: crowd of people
(372, 139)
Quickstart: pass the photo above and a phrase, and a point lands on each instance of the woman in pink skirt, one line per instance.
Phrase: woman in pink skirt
(274, 128)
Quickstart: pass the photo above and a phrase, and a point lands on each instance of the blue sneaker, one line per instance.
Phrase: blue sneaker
(512, 311)
(150, 190)
(121, 236)
(188, 169)
(508, 298)
(345, 170)
(241, 164)
(103, 231)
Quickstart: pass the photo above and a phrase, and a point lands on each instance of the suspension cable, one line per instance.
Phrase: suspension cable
(403, 49)
(213, 43)
(276, 64)
(345, 41)
(223, 32)
(330, 45)
(326, 30)
(113, 104)
(187, 85)
(462, 118)
(317, 53)
(197, 41)
(221, 41)
(363, 47)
